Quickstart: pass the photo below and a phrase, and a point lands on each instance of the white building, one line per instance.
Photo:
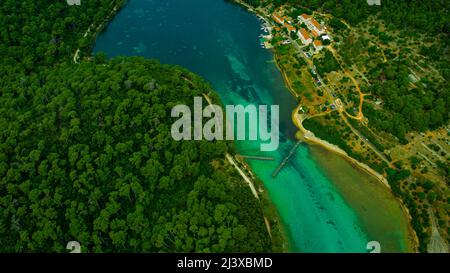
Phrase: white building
(374, 2)
(279, 19)
(73, 2)
(304, 36)
(314, 25)
(304, 18)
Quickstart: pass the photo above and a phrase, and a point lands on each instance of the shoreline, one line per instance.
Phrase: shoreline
(281, 232)
(99, 28)
(273, 214)
(262, 196)
(310, 138)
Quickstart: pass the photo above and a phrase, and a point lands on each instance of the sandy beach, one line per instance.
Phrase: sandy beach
(310, 137)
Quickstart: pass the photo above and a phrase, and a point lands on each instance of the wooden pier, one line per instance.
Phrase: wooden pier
(286, 159)
(268, 158)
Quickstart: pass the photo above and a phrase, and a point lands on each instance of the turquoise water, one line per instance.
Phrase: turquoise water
(220, 42)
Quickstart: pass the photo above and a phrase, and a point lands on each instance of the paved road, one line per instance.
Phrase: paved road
(330, 92)
(244, 176)
(368, 143)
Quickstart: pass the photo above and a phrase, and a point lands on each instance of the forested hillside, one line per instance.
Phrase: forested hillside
(36, 33)
(428, 16)
(86, 153)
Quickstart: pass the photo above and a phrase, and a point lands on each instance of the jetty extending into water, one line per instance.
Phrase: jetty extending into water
(268, 158)
(286, 159)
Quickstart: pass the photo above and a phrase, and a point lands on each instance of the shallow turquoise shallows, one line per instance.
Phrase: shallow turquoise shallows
(220, 41)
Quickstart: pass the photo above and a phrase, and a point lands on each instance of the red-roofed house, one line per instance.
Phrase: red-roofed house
(314, 25)
(304, 18)
(278, 18)
(317, 45)
(314, 33)
(304, 36)
(289, 28)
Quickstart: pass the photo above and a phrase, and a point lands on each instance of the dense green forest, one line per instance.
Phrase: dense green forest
(326, 63)
(41, 33)
(86, 153)
(428, 16)
(422, 108)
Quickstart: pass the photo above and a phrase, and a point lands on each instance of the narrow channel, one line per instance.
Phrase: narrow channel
(315, 192)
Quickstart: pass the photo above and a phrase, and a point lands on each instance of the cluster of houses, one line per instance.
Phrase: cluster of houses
(313, 34)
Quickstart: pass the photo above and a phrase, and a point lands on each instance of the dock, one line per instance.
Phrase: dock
(268, 158)
(286, 159)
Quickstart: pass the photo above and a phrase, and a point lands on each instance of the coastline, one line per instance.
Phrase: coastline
(276, 228)
(99, 28)
(268, 209)
(310, 138)
(284, 76)
(308, 135)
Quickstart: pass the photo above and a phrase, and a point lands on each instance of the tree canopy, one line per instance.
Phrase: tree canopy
(86, 153)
